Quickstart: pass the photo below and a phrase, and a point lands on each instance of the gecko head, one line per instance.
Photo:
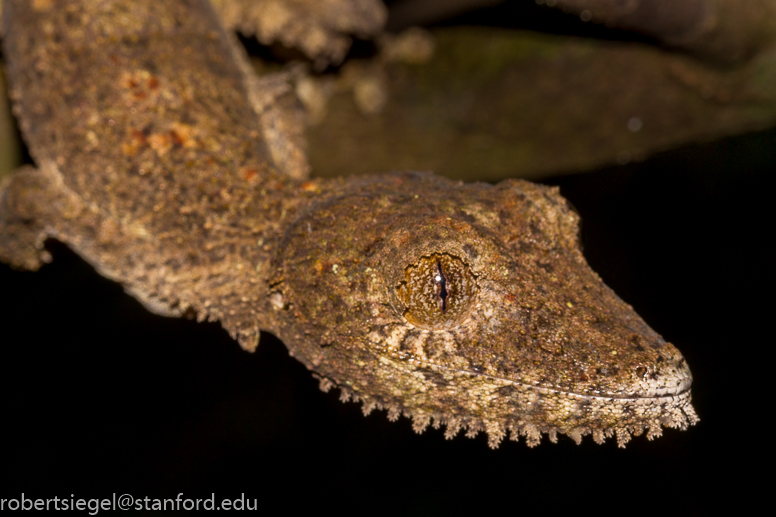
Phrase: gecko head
(472, 306)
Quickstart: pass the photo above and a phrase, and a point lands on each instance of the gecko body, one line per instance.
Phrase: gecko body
(161, 162)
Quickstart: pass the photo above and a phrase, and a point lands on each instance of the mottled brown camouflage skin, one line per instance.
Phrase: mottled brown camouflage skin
(156, 164)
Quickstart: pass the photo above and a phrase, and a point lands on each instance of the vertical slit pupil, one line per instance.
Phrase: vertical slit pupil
(441, 280)
(436, 292)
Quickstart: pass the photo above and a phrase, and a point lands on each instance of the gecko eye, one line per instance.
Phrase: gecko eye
(437, 291)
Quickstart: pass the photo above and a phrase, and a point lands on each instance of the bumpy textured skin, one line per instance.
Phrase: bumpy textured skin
(319, 28)
(153, 164)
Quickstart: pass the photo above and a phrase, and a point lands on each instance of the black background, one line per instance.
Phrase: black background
(99, 396)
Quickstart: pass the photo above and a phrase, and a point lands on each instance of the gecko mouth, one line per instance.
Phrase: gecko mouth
(655, 391)
(675, 381)
(497, 403)
(658, 393)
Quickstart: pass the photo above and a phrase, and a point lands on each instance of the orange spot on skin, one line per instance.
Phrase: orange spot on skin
(138, 136)
(176, 138)
(458, 226)
(137, 140)
(160, 142)
(320, 267)
(141, 85)
(128, 149)
(42, 5)
(249, 174)
(183, 135)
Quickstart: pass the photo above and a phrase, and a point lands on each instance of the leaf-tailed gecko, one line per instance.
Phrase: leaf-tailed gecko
(161, 162)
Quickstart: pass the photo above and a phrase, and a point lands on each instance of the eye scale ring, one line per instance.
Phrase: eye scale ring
(437, 292)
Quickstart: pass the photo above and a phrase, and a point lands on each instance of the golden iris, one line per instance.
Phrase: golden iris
(437, 291)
